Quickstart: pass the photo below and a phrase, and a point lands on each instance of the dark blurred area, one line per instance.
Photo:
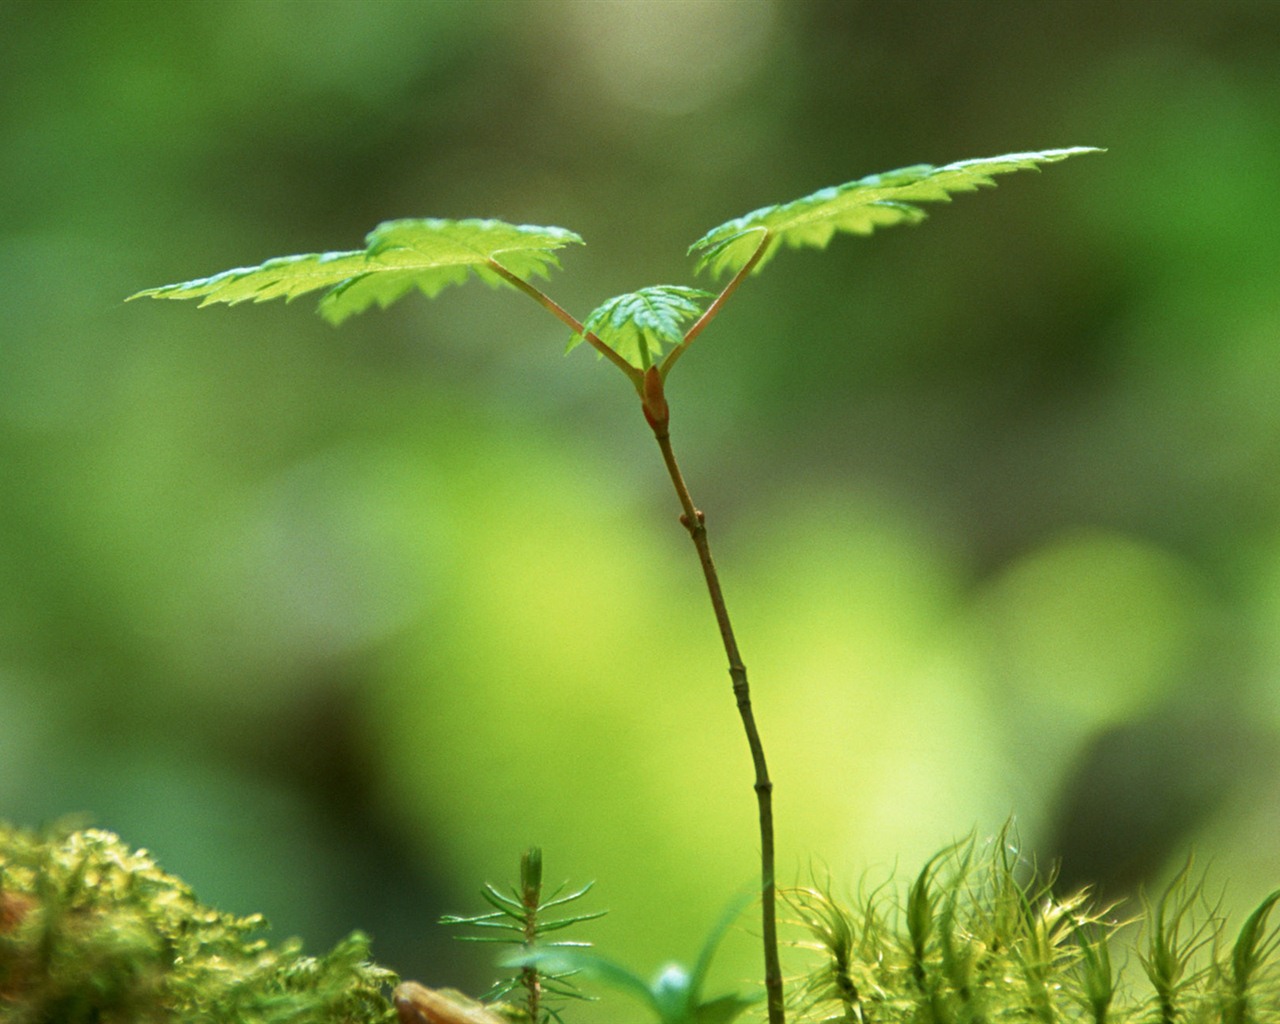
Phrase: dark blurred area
(336, 622)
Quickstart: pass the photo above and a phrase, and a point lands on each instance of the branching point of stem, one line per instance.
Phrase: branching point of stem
(649, 384)
(653, 400)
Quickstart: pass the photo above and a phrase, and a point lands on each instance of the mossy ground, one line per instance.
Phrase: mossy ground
(94, 932)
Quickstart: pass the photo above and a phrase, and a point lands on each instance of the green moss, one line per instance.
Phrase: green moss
(981, 939)
(92, 931)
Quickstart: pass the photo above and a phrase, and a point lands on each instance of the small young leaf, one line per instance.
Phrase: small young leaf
(674, 996)
(857, 207)
(637, 325)
(560, 962)
(400, 255)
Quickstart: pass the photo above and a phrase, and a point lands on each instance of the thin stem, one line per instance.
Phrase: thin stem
(709, 313)
(695, 522)
(649, 384)
(531, 897)
(567, 318)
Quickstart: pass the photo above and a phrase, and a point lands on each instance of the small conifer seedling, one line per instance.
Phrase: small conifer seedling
(642, 333)
(520, 918)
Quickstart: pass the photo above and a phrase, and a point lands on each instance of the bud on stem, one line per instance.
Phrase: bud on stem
(653, 401)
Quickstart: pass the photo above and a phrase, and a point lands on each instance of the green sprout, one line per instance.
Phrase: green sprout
(519, 919)
(673, 996)
(642, 333)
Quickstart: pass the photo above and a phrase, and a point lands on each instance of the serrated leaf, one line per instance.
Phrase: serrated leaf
(856, 207)
(400, 256)
(638, 324)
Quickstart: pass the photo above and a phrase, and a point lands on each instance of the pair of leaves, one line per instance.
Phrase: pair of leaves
(429, 255)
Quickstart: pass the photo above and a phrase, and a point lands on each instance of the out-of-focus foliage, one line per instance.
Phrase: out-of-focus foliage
(93, 931)
(337, 623)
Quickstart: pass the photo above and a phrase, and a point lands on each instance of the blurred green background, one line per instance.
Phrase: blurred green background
(336, 622)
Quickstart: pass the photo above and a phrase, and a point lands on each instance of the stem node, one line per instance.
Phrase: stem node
(695, 525)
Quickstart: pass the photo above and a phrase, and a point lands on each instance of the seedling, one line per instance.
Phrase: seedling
(674, 996)
(521, 919)
(643, 333)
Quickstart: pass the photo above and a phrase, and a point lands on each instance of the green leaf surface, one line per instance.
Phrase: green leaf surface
(572, 961)
(857, 207)
(400, 256)
(725, 1009)
(639, 324)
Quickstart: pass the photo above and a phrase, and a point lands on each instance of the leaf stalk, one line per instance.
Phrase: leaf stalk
(709, 313)
(568, 319)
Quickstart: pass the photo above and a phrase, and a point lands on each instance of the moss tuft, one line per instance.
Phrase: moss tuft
(982, 939)
(93, 932)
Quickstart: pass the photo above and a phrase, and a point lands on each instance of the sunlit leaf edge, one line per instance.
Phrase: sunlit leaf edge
(401, 255)
(856, 207)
